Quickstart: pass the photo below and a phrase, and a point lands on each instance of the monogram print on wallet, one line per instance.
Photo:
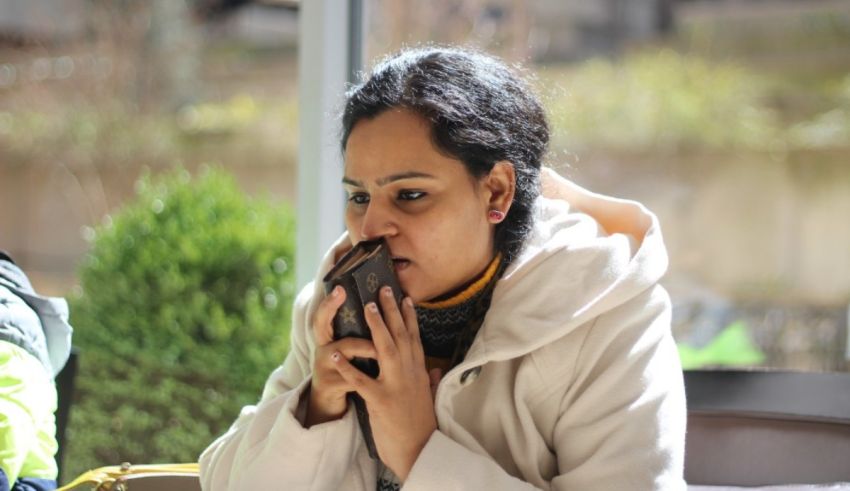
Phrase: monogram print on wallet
(372, 282)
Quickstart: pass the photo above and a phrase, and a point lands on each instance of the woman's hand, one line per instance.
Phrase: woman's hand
(399, 401)
(328, 389)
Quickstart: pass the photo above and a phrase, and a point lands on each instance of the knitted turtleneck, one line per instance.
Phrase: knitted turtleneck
(448, 324)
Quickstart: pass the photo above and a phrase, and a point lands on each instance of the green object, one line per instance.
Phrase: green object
(27, 425)
(732, 347)
(661, 100)
(184, 311)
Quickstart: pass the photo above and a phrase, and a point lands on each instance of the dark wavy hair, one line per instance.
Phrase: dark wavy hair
(480, 113)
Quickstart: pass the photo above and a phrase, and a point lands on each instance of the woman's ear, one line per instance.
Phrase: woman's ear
(501, 184)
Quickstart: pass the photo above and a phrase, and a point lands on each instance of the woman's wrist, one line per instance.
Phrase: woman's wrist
(319, 412)
(404, 472)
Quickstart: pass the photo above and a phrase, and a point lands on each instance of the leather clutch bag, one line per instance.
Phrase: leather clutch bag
(362, 272)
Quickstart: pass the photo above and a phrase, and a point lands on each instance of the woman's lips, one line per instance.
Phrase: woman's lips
(400, 263)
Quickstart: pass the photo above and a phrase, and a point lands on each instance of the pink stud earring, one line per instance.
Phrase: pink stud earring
(495, 216)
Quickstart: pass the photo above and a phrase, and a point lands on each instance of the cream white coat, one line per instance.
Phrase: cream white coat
(572, 383)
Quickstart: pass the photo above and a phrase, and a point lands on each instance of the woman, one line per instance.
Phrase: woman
(533, 349)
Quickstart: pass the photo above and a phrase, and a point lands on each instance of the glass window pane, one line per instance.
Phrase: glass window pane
(730, 120)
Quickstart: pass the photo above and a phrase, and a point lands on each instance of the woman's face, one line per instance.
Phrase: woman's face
(430, 210)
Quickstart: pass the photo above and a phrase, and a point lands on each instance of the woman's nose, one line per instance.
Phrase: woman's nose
(377, 222)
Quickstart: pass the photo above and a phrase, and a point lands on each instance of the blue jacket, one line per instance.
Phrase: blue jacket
(46, 335)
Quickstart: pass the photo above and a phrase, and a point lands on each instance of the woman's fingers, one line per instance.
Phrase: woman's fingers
(326, 378)
(408, 314)
(395, 331)
(363, 384)
(328, 388)
(383, 341)
(354, 348)
(392, 316)
(323, 321)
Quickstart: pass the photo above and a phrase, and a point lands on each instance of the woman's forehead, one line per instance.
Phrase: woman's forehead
(395, 131)
(396, 142)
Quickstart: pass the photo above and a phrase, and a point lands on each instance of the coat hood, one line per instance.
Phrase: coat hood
(46, 334)
(586, 255)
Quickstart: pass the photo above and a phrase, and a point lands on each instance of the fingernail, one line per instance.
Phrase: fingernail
(336, 291)
(387, 291)
(372, 307)
(408, 301)
(335, 356)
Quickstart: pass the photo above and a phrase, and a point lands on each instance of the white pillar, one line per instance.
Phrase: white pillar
(328, 53)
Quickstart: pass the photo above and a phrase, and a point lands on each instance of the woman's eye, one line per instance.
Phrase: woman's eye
(410, 195)
(359, 198)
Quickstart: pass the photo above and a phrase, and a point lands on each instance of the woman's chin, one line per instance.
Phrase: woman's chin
(410, 285)
(407, 286)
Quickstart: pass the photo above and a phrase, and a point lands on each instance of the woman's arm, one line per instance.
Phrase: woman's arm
(268, 444)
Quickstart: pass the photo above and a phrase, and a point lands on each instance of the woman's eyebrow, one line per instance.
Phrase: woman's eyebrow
(352, 182)
(388, 179)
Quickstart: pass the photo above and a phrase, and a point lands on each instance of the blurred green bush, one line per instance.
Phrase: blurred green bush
(184, 311)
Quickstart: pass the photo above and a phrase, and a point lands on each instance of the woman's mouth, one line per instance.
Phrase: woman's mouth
(400, 263)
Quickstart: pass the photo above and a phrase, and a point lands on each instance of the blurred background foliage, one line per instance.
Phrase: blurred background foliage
(667, 101)
(116, 133)
(184, 310)
(661, 101)
(730, 120)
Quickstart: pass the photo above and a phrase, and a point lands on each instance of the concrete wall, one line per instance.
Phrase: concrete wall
(748, 227)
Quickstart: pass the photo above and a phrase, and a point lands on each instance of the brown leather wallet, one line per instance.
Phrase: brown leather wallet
(362, 272)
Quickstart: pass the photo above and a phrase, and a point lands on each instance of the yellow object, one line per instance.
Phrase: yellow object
(27, 425)
(469, 291)
(103, 478)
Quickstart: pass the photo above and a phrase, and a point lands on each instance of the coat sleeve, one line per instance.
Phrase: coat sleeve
(27, 425)
(268, 442)
(621, 421)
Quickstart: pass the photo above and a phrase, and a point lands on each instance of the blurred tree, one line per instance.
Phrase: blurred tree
(184, 311)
